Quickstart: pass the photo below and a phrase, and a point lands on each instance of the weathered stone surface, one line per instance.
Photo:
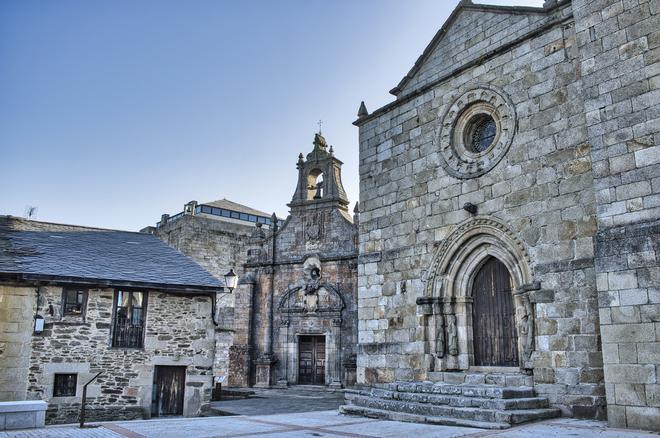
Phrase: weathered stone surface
(16, 319)
(179, 332)
(572, 201)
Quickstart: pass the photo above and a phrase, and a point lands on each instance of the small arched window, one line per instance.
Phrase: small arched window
(315, 185)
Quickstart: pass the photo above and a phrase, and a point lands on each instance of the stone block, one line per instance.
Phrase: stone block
(625, 315)
(629, 373)
(648, 353)
(622, 280)
(644, 332)
(616, 416)
(653, 395)
(645, 418)
(630, 394)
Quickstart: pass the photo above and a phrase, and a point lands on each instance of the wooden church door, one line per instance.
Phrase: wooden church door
(493, 315)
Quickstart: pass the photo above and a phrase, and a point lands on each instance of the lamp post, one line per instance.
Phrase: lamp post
(231, 280)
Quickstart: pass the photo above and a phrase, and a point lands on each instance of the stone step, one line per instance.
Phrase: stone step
(481, 378)
(458, 400)
(513, 416)
(412, 418)
(481, 391)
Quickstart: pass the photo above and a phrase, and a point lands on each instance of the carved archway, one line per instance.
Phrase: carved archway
(449, 282)
(312, 309)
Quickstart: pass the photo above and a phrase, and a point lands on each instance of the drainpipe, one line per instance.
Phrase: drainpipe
(269, 335)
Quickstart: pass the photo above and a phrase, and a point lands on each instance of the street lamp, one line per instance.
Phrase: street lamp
(231, 280)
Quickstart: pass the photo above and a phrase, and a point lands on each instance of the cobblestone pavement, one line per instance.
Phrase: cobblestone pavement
(281, 401)
(320, 424)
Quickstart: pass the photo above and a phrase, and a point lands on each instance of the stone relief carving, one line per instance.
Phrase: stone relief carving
(311, 296)
(526, 327)
(312, 284)
(440, 336)
(452, 335)
(314, 226)
(450, 325)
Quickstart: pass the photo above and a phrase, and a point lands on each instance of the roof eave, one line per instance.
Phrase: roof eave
(111, 283)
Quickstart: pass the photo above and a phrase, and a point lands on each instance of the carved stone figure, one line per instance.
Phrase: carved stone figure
(439, 336)
(311, 302)
(526, 328)
(452, 335)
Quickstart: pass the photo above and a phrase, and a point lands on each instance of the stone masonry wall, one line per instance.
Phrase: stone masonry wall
(217, 246)
(16, 325)
(542, 189)
(179, 332)
(620, 64)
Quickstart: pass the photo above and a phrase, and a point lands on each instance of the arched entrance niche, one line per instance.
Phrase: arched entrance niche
(450, 282)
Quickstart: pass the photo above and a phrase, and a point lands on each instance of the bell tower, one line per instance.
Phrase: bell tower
(319, 179)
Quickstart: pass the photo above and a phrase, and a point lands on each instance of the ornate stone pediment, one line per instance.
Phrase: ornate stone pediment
(304, 300)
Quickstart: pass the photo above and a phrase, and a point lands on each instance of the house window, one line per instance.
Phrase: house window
(130, 312)
(74, 301)
(65, 385)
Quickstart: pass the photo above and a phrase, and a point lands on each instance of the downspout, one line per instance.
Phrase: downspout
(214, 306)
(269, 338)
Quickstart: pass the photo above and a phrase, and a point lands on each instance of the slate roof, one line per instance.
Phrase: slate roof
(31, 250)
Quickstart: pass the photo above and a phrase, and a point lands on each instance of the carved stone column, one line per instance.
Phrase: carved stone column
(452, 328)
(526, 322)
(335, 375)
(425, 309)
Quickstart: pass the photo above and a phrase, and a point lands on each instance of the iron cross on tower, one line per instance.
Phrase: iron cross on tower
(320, 123)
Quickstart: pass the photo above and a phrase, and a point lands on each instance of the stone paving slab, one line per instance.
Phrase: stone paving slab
(281, 401)
(320, 424)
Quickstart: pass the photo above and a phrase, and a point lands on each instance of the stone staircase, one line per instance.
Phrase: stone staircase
(459, 399)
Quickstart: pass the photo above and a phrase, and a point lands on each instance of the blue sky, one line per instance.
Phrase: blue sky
(112, 113)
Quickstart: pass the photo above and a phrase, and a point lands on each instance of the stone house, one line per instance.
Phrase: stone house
(267, 334)
(76, 301)
(509, 221)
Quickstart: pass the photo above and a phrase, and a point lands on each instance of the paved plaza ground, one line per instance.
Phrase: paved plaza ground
(319, 424)
(281, 401)
(309, 412)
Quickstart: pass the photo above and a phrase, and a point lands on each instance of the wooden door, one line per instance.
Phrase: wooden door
(311, 360)
(169, 386)
(493, 316)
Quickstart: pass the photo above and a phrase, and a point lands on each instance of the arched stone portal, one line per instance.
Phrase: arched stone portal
(448, 304)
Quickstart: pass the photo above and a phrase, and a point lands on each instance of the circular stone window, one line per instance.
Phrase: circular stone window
(476, 132)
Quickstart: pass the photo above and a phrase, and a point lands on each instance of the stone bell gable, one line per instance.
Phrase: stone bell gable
(319, 179)
(319, 220)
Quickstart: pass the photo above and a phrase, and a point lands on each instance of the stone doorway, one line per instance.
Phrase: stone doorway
(168, 390)
(311, 360)
(494, 319)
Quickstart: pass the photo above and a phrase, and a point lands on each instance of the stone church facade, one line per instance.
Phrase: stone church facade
(509, 221)
(293, 318)
(302, 277)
